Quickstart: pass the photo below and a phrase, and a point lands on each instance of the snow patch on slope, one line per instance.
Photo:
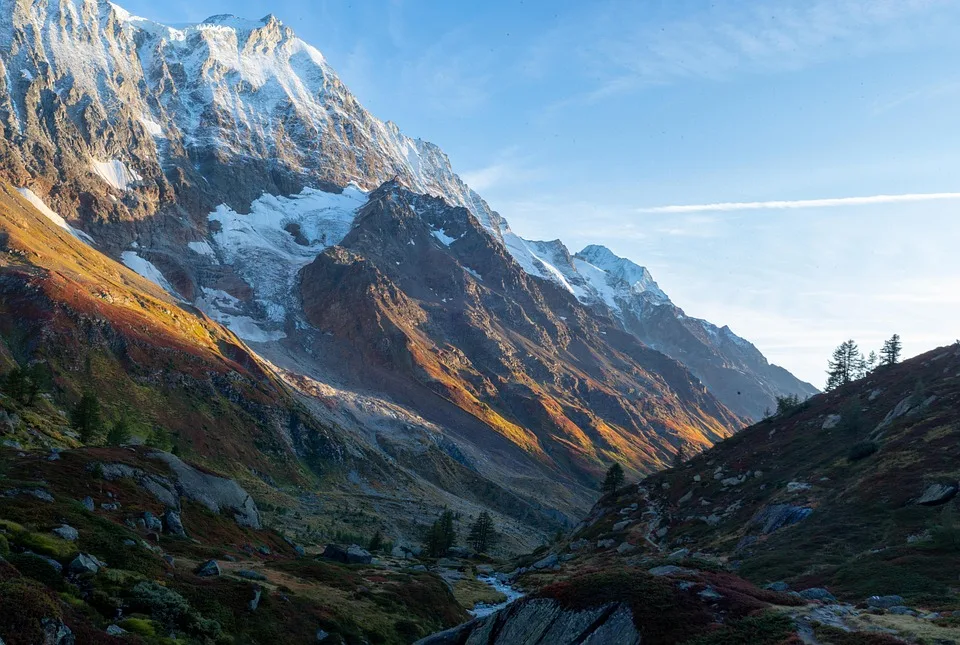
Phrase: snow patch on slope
(147, 270)
(53, 216)
(116, 173)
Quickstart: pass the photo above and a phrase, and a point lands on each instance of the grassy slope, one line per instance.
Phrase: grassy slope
(855, 542)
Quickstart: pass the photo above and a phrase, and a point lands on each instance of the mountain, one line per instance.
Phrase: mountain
(441, 356)
(833, 522)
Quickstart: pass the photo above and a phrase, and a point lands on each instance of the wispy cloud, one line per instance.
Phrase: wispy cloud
(635, 45)
(801, 203)
(510, 168)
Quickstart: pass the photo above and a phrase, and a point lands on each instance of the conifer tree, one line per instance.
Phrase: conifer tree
(483, 535)
(679, 456)
(85, 417)
(614, 478)
(376, 542)
(890, 354)
(846, 365)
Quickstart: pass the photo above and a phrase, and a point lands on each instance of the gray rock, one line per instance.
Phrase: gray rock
(67, 533)
(543, 620)
(547, 562)
(619, 526)
(780, 585)
(669, 570)
(264, 550)
(110, 506)
(216, 493)
(578, 545)
(900, 610)
(817, 593)
(884, 602)
(10, 443)
(679, 554)
(115, 630)
(251, 575)
(255, 601)
(352, 554)
(56, 633)
(173, 523)
(797, 487)
(777, 516)
(606, 544)
(129, 542)
(710, 594)
(831, 422)
(84, 563)
(322, 635)
(937, 494)
(209, 569)
(151, 522)
(461, 552)
(626, 548)
(88, 503)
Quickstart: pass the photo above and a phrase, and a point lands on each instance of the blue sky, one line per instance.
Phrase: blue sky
(577, 120)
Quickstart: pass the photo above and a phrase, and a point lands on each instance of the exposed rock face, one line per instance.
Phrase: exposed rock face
(352, 554)
(542, 620)
(419, 288)
(937, 494)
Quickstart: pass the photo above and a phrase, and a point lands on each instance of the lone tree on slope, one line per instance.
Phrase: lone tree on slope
(483, 535)
(846, 365)
(614, 478)
(890, 354)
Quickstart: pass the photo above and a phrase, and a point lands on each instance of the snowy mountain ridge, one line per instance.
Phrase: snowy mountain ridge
(220, 158)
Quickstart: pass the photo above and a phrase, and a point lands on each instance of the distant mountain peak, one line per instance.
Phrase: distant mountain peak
(638, 277)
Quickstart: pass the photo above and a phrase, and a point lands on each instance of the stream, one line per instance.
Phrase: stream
(480, 610)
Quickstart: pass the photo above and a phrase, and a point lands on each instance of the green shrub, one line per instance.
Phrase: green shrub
(37, 568)
(862, 450)
(162, 604)
(54, 547)
(4, 546)
(139, 626)
(23, 606)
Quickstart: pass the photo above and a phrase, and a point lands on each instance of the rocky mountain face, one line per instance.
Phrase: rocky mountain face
(228, 164)
(731, 367)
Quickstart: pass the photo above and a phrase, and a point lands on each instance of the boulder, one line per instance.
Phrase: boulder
(669, 570)
(352, 554)
(151, 522)
(88, 503)
(797, 487)
(171, 520)
(67, 533)
(255, 601)
(817, 593)
(626, 548)
(84, 563)
(56, 633)
(547, 562)
(544, 620)
(900, 610)
(116, 630)
(620, 526)
(606, 544)
(461, 552)
(777, 516)
(831, 422)
(209, 569)
(216, 493)
(780, 585)
(936, 494)
(578, 545)
(251, 575)
(884, 602)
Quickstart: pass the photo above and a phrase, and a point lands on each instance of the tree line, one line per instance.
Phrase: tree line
(441, 536)
(848, 363)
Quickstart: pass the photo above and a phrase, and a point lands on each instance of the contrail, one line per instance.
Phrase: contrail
(801, 203)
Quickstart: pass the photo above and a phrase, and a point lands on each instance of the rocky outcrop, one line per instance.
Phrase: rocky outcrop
(215, 492)
(936, 494)
(542, 620)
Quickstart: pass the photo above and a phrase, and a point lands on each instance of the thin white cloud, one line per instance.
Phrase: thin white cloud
(633, 45)
(801, 203)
